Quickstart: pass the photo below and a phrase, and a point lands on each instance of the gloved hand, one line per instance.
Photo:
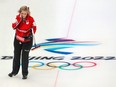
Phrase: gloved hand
(27, 38)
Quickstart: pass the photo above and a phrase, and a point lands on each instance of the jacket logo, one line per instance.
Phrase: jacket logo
(27, 21)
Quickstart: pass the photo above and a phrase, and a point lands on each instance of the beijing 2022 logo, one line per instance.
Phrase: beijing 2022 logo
(54, 45)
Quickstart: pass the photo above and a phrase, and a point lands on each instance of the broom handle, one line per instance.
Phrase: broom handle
(34, 38)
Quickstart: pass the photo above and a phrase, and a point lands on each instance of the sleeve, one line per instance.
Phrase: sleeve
(17, 22)
(34, 27)
(14, 24)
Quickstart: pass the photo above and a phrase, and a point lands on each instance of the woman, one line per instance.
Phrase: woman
(24, 27)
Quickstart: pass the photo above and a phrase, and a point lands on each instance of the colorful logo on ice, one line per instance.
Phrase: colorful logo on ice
(55, 45)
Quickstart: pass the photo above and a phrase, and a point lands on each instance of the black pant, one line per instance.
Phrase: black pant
(21, 50)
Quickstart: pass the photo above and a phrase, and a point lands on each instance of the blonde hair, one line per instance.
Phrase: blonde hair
(24, 8)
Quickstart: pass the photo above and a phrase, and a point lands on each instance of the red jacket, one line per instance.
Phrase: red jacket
(23, 27)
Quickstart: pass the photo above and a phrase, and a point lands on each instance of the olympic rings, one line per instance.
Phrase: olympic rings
(41, 63)
(80, 67)
(34, 67)
(65, 66)
(67, 63)
(93, 64)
